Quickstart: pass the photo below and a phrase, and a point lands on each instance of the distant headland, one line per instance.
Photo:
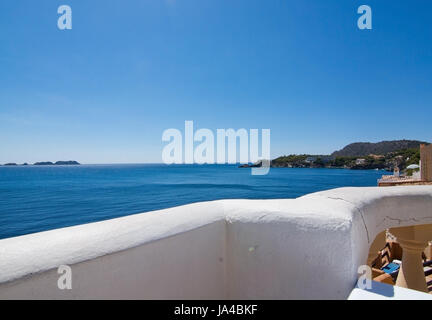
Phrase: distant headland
(47, 163)
(385, 155)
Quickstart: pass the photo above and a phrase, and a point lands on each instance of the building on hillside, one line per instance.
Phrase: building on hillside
(360, 161)
(310, 159)
(423, 177)
(376, 156)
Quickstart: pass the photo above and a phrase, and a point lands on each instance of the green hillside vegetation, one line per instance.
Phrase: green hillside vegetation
(293, 159)
(361, 149)
(388, 161)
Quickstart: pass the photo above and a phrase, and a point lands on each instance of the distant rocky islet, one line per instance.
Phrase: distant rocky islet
(47, 163)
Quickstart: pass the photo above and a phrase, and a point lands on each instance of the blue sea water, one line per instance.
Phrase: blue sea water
(38, 198)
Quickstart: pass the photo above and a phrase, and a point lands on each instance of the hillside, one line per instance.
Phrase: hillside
(359, 149)
(361, 155)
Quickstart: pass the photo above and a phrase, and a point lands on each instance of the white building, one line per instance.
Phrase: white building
(360, 161)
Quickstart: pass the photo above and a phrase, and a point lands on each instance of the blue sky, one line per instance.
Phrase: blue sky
(105, 91)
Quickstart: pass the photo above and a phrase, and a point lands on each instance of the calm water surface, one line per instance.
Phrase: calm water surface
(34, 199)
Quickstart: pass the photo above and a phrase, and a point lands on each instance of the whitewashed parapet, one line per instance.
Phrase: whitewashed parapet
(309, 248)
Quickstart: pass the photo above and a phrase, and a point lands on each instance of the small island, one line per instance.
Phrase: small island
(44, 163)
(47, 163)
(67, 163)
(58, 163)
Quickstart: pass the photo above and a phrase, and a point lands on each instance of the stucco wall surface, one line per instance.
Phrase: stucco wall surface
(304, 248)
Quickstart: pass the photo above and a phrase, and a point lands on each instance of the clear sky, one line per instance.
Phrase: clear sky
(105, 91)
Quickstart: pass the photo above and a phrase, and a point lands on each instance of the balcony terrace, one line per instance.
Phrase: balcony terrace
(305, 248)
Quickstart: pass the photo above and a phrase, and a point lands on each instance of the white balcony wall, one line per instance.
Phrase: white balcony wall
(305, 248)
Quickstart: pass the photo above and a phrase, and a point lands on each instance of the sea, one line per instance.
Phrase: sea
(39, 198)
